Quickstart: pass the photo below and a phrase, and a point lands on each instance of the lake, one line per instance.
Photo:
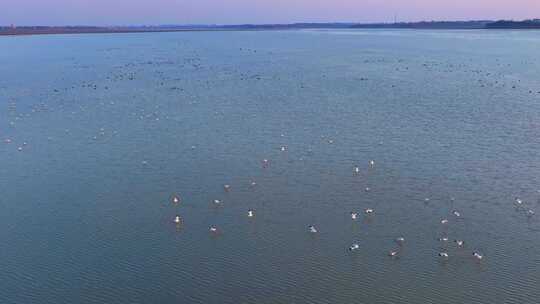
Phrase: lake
(99, 132)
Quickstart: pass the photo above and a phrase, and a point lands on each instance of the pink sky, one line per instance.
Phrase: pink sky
(120, 12)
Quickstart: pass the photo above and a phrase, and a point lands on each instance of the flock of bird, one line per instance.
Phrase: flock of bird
(196, 63)
(400, 241)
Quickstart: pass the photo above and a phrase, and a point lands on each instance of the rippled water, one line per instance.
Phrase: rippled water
(98, 132)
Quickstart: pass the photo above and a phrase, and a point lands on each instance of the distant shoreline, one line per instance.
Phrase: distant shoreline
(435, 25)
(59, 31)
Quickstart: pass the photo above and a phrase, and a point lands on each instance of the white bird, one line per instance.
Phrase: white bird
(283, 148)
(444, 221)
(477, 255)
(371, 163)
(354, 215)
(253, 183)
(443, 239)
(400, 240)
(356, 170)
(250, 213)
(312, 229)
(227, 187)
(443, 254)
(177, 219)
(460, 243)
(393, 253)
(369, 211)
(354, 247)
(213, 229)
(530, 212)
(217, 202)
(456, 213)
(519, 201)
(176, 199)
(367, 189)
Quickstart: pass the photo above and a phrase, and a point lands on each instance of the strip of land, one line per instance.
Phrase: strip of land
(481, 24)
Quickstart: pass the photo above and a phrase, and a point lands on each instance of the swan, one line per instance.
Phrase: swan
(312, 229)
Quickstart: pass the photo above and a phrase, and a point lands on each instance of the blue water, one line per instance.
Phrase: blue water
(98, 132)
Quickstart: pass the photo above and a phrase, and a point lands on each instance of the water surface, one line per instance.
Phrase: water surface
(99, 131)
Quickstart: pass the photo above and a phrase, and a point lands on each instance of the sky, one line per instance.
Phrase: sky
(152, 12)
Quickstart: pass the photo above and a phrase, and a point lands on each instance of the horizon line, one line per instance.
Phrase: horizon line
(262, 24)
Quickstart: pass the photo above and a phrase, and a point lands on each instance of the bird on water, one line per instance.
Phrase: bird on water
(354, 247)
